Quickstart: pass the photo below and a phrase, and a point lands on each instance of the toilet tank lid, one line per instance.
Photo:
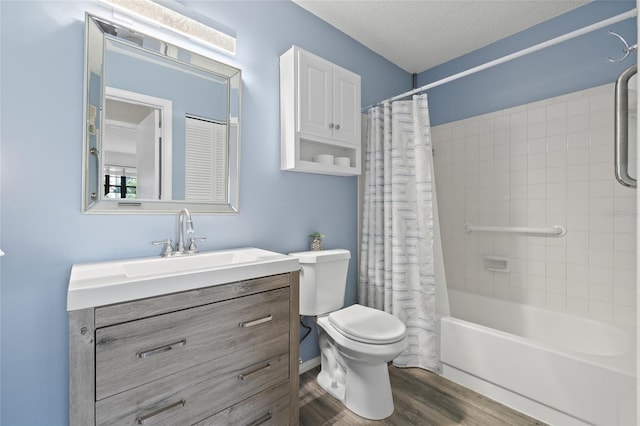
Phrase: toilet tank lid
(320, 256)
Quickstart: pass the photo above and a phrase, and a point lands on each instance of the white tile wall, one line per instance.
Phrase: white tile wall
(541, 164)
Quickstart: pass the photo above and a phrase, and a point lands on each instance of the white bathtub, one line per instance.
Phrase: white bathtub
(562, 369)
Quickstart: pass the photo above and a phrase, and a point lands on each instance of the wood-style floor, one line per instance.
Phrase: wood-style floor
(420, 397)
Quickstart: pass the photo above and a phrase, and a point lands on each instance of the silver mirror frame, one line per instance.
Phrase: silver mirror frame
(91, 201)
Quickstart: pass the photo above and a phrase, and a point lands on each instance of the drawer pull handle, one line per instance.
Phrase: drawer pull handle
(245, 376)
(161, 349)
(262, 419)
(256, 322)
(140, 420)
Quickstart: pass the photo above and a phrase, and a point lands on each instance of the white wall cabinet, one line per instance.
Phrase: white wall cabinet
(319, 114)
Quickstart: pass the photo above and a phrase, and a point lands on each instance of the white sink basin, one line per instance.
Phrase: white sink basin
(104, 283)
(177, 265)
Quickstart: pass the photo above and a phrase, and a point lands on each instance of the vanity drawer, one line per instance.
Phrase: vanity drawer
(138, 352)
(142, 308)
(269, 407)
(189, 396)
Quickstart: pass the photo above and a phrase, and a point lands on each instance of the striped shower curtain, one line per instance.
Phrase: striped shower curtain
(397, 256)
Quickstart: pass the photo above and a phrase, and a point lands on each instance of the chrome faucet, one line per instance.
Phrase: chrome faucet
(184, 220)
(184, 214)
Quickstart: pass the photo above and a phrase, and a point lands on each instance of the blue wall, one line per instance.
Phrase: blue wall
(43, 229)
(573, 65)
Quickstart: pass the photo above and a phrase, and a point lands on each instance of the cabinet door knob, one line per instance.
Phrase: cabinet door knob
(337, 127)
(331, 125)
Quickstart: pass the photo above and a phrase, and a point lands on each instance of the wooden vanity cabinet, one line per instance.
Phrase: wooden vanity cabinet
(226, 354)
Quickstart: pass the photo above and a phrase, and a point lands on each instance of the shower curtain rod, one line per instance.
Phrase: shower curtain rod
(596, 26)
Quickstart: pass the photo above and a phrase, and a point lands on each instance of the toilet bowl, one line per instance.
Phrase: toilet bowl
(355, 371)
(356, 342)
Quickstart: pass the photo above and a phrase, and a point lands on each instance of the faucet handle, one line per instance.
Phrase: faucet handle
(167, 250)
(192, 244)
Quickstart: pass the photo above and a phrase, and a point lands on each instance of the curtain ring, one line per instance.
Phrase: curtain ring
(627, 49)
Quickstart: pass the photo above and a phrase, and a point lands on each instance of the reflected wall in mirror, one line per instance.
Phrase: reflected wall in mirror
(161, 126)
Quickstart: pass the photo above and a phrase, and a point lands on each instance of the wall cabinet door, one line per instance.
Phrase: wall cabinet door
(315, 96)
(329, 100)
(346, 106)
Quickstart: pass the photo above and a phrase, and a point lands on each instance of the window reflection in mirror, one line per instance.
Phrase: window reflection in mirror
(161, 126)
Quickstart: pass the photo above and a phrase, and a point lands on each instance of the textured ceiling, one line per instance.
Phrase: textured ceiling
(418, 35)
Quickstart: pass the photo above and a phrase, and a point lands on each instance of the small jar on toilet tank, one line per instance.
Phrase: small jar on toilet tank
(316, 241)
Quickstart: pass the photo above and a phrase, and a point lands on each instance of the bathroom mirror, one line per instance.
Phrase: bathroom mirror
(162, 126)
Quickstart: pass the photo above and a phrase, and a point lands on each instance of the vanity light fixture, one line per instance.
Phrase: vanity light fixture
(177, 22)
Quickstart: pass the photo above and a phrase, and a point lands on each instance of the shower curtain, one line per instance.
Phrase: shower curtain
(397, 271)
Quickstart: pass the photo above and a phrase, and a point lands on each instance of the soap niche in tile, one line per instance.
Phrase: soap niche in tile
(496, 264)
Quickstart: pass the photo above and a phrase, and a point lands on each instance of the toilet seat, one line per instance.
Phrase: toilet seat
(367, 325)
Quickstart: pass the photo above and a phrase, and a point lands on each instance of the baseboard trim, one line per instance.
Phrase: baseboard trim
(309, 364)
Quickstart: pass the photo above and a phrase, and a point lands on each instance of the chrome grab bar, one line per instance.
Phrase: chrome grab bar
(556, 230)
(621, 124)
(94, 151)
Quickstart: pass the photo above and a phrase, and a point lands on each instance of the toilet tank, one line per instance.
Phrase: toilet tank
(323, 280)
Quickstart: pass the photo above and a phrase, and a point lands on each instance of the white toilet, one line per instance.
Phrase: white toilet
(356, 342)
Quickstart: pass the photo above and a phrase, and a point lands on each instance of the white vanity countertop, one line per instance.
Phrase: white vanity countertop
(105, 283)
